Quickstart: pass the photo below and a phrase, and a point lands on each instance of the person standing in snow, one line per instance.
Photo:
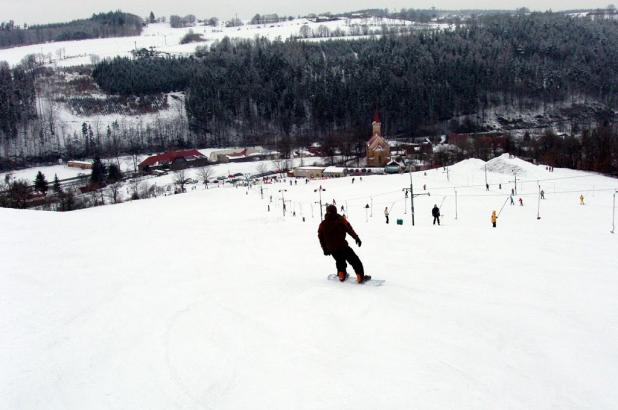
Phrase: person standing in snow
(512, 200)
(542, 194)
(331, 233)
(386, 213)
(494, 218)
(436, 214)
(521, 201)
(581, 199)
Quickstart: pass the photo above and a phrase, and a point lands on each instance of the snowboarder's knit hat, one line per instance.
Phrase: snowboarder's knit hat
(331, 209)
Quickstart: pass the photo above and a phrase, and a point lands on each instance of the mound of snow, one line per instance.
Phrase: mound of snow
(507, 164)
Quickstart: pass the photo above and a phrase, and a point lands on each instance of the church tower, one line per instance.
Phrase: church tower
(376, 124)
(378, 150)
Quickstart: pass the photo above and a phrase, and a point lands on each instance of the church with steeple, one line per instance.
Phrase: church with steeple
(378, 150)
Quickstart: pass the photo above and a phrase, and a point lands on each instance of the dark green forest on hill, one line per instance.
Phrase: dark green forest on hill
(111, 24)
(300, 88)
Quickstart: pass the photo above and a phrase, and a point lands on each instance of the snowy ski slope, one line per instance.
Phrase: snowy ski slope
(207, 301)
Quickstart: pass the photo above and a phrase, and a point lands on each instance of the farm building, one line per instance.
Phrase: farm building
(308, 172)
(79, 164)
(335, 172)
(242, 155)
(175, 160)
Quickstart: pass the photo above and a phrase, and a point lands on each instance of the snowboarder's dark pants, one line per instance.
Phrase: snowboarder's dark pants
(347, 254)
(436, 218)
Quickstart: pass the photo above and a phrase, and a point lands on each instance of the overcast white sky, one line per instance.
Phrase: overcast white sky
(44, 11)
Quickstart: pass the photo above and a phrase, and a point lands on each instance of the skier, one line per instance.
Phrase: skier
(494, 218)
(512, 201)
(581, 199)
(386, 213)
(542, 194)
(521, 202)
(331, 233)
(436, 214)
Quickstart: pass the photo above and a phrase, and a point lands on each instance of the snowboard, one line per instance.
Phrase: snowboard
(351, 280)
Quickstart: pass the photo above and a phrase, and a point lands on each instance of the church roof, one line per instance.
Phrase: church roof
(376, 142)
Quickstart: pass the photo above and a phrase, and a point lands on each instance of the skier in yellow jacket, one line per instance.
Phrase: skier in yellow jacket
(494, 218)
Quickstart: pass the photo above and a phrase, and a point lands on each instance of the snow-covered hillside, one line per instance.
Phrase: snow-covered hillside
(207, 300)
(166, 39)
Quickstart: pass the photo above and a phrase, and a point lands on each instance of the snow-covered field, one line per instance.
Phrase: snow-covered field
(208, 301)
(126, 164)
(166, 39)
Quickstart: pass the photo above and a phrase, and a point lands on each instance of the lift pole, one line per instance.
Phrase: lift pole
(412, 195)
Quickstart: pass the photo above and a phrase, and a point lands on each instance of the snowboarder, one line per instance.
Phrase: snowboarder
(494, 218)
(386, 213)
(581, 199)
(436, 214)
(331, 233)
(521, 201)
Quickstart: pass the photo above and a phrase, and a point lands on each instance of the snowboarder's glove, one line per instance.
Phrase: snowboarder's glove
(326, 253)
(358, 242)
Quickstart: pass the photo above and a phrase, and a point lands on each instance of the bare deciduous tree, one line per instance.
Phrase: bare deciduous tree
(112, 192)
(180, 179)
(205, 173)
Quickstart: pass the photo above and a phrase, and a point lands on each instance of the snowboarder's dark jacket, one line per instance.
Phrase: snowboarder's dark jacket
(435, 212)
(332, 232)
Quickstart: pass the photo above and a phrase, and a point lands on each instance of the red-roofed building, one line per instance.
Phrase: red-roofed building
(179, 159)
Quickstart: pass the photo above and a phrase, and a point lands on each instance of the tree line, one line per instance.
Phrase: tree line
(110, 24)
(296, 88)
(17, 100)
